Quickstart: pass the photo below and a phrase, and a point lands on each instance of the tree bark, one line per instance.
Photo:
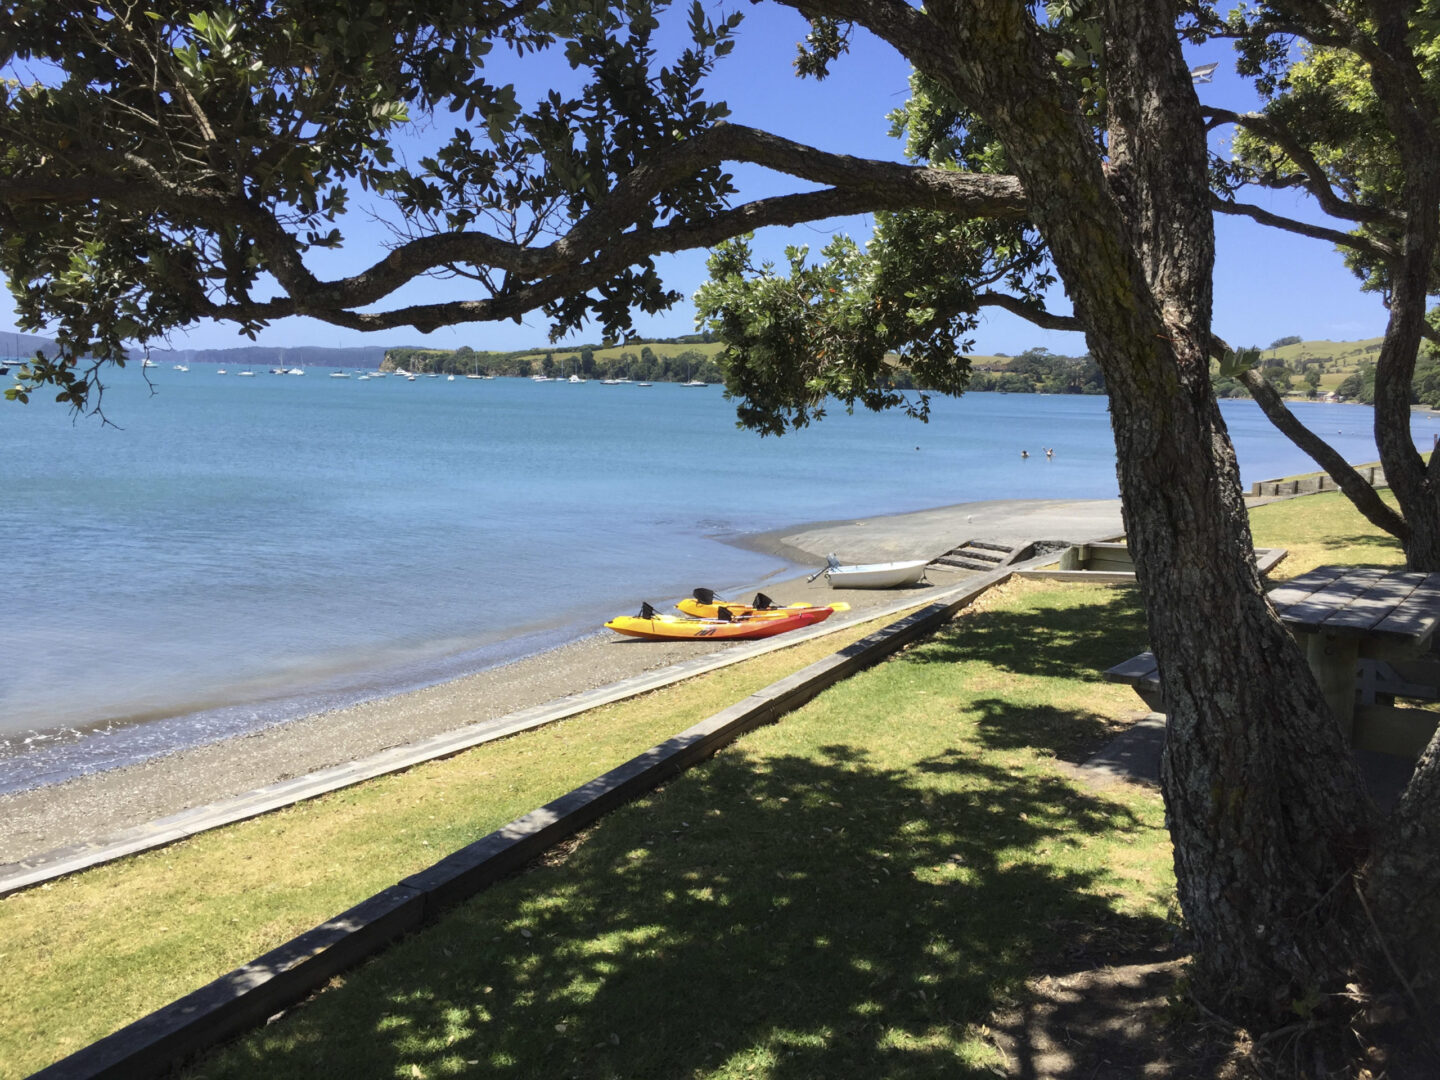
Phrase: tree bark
(1412, 116)
(1268, 814)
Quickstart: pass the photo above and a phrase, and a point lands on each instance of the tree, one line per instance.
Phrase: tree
(1354, 124)
(1280, 343)
(180, 157)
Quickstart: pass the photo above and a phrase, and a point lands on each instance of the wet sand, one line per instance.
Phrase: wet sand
(92, 807)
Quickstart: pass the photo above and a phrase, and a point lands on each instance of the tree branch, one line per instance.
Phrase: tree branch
(860, 185)
(1365, 498)
(1376, 249)
(1035, 313)
(1318, 183)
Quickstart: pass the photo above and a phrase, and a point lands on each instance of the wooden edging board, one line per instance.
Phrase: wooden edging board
(245, 997)
(47, 866)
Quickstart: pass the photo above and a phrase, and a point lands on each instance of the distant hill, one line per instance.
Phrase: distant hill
(20, 346)
(1335, 360)
(262, 356)
(1326, 351)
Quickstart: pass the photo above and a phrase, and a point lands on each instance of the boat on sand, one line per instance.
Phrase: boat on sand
(704, 604)
(653, 626)
(886, 575)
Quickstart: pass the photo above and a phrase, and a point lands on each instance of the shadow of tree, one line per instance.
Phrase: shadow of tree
(1070, 734)
(1331, 542)
(783, 916)
(1077, 641)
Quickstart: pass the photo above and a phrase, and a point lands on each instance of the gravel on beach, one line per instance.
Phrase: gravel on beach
(92, 807)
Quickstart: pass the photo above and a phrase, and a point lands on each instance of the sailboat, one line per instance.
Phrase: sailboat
(692, 382)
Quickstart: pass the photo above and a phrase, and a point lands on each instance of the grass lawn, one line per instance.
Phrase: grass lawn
(1322, 529)
(78, 958)
(848, 893)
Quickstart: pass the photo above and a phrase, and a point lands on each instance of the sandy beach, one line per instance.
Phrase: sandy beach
(92, 807)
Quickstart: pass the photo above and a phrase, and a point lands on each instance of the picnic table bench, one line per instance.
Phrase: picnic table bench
(1368, 634)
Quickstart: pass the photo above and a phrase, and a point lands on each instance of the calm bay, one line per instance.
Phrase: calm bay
(234, 552)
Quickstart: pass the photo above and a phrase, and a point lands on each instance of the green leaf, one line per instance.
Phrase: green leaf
(1233, 363)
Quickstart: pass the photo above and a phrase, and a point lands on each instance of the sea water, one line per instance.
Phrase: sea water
(227, 553)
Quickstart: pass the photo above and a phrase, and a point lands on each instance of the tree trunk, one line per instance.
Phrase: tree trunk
(1404, 875)
(1266, 809)
(1412, 115)
(1403, 883)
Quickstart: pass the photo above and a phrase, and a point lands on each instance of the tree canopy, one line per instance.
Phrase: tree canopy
(1352, 120)
(162, 165)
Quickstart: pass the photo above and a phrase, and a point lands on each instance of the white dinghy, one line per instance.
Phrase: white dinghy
(882, 575)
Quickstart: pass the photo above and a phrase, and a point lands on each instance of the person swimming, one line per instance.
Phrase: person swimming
(1024, 453)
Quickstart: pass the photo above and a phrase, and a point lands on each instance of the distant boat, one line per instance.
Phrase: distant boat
(245, 375)
(364, 378)
(694, 382)
(337, 374)
(472, 375)
(147, 362)
(449, 378)
(181, 367)
(575, 379)
(644, 384)
(295, 371)
(222, 371)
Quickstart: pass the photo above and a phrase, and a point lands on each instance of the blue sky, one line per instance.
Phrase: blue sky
(1268, 283)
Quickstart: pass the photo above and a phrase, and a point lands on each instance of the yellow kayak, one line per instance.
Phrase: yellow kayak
(656, 627)
(704, 604)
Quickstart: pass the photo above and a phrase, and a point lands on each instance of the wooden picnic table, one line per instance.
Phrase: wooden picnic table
(1367, 632)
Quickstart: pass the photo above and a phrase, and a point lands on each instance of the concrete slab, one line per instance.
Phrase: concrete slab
(1134, 757)
(1131, 757)
(928, 533)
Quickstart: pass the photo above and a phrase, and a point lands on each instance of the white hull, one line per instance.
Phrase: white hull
(875, 575)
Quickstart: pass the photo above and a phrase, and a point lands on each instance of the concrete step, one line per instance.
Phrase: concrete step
(968, 564)
(976, 553)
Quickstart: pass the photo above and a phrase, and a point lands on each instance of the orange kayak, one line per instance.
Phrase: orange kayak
(704, 604)
(648, 624)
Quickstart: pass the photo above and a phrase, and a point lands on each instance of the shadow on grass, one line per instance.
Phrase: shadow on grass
(785, 917)
(1360, 540)
(1075, 641)
(1070, 734)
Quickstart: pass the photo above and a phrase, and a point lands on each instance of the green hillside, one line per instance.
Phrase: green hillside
(661, 349)
(1293, 365)
(669, 360)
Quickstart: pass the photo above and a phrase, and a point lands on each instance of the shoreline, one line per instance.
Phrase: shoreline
(88, 808)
